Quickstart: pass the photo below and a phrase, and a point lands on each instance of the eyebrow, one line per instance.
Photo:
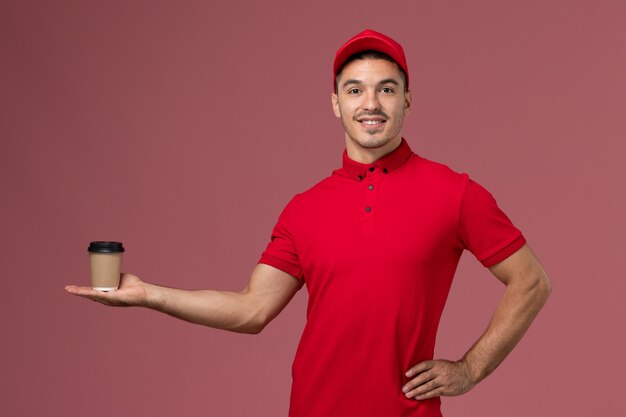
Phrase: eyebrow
(358, 82)
(350, 81)
(389, 81)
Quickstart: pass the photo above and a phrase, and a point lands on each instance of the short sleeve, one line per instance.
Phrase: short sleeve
(281, 251)
(484, 229)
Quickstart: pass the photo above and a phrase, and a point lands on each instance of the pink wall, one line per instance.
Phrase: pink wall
(182, 128)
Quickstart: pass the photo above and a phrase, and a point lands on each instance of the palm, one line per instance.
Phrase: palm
(131, 292)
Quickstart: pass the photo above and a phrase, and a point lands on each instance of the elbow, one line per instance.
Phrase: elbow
(545, 284)
(547, 288)
(248, 328)
(254, 325)
(542, 288)
(534, 288)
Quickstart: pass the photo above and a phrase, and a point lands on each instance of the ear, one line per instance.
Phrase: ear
(407, 102)
(335, 101)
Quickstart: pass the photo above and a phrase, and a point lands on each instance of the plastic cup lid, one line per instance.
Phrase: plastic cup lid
(105, 247)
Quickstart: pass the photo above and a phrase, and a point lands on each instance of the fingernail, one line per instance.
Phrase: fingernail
(408, 373)
(405, 389)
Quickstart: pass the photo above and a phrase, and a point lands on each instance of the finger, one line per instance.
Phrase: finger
(436, 392)
(423, 389)
(419, 368)
(76, 290)
(420, 380)
(82, 291)
(90, 293)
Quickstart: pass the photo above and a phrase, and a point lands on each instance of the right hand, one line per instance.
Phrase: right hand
(132, 292)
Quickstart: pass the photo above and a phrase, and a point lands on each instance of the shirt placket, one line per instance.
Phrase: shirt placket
(370, 188)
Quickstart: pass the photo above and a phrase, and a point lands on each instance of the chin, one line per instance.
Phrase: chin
(373, 143)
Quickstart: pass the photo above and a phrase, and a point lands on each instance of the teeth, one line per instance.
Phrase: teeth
(371, 122)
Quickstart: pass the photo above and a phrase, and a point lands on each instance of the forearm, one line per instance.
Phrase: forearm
(527, 290)
(248, 311)
(234, 311)
(514, 314)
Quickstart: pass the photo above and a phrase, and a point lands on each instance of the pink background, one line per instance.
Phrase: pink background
(182, 128)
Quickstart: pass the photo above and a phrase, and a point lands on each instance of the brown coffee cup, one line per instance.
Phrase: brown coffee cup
(105, 260)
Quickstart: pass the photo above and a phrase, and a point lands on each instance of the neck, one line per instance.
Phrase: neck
(364, 155)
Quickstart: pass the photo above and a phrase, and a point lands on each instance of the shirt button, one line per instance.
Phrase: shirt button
(368, 209)
(372, 169)
(360, 177)
(371, 187)
(385, 170)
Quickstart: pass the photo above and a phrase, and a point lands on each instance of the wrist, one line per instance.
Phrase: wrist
(474, 372)
(154, 297)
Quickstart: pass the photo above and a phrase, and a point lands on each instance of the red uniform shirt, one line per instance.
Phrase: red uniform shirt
(377, 246)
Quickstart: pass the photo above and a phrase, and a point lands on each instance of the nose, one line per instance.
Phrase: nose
(371, 102)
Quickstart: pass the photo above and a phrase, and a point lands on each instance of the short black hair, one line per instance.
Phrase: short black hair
(369, 55)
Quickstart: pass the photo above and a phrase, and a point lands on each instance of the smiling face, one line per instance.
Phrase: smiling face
(371, 103)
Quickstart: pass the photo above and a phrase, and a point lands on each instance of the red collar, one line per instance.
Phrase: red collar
(386, 164)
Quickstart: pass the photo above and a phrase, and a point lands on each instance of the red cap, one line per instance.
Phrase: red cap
(370, 40)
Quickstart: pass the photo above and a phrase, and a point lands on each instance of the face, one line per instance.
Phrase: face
(371, 103)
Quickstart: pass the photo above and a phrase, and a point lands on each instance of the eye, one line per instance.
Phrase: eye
(387, 90)
(354, 91)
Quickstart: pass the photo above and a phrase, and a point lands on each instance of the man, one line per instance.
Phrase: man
(377, 244)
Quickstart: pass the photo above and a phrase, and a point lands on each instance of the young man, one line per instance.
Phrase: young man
(377, 244)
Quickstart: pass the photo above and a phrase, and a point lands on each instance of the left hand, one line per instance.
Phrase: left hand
(437, 378)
